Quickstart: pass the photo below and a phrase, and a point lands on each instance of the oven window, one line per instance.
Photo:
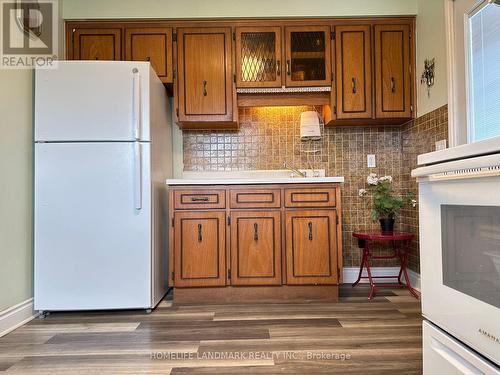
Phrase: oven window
(471, 251)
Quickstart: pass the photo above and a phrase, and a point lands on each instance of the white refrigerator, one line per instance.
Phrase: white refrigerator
(102, 153)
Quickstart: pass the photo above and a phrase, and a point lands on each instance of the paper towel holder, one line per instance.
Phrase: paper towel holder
(310, 126)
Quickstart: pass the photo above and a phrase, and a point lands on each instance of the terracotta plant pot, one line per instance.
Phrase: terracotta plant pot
(387, 225)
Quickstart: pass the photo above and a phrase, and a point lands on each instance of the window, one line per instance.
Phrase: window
(473, 43)
(483, 92)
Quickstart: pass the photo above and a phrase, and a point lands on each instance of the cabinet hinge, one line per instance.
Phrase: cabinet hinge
(174, 37)
(229, 274)
(175, 73)
(332, 76)
(411, 108)
(234, 36)
(333, 35)
(234, 78)
(337, 219)
(173, 275)
(229, 220)
(173, 222)
(177, 112)
(73, 36)
(334, 109)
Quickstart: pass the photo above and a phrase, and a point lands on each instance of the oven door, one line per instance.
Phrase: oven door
(460, 259)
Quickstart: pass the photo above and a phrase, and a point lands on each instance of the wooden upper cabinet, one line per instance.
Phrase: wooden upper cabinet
(308, 56)
(96, 44)
(311, 247)
(199, 248)
(152, 44)
(255, 248)
(205, 81)
(258, 56)
(353, 71)
(393, 71)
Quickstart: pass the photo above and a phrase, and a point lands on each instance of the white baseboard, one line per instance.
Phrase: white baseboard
(16, 316)
(351, 275)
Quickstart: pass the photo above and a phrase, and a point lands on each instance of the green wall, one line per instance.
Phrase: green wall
(15, 187)
(431, 43)
(16, 184)
(78, 9)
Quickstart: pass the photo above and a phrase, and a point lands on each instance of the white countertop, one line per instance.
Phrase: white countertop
(250, 181)
(247, 178)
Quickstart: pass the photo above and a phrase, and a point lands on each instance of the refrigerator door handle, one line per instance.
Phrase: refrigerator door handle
(136, 103)
(137, 175)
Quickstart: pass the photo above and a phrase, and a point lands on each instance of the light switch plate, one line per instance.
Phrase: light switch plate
(441, 145)
(371, 161)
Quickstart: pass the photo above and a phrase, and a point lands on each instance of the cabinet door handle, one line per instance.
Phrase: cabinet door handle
(255, 232)
(288, 67)
(278, 68)
(354, 88)
(205, 92)
(200, 236)
(148, 58)
(310, 225)
(393, 84)
(199, 199)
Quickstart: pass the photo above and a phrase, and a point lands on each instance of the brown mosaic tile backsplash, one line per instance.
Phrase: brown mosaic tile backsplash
(419, 137)
(270, 135)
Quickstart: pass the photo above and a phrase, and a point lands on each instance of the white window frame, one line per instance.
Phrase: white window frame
(459, 132)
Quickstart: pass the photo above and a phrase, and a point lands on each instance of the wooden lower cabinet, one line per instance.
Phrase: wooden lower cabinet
(255, 241)
(256, 248)
(311, 247)
(199, 249)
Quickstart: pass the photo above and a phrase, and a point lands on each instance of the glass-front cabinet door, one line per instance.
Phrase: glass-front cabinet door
(258, 51)
(308, 56)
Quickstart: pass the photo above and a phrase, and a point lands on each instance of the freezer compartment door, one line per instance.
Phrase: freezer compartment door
(92, 101)
(92, 226)
(444, 355)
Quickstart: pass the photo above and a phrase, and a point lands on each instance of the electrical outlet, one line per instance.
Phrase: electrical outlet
(371, 161)
(441, 145)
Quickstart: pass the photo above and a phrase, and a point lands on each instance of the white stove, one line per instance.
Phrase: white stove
(459, 200)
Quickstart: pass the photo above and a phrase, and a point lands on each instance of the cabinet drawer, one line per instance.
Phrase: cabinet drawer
(310, 197)
(255, 198)
(194, 199)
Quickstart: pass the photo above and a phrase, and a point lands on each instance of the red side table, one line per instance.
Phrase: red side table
(400, 244)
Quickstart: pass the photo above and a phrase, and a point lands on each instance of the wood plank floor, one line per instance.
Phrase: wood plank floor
(354, 336)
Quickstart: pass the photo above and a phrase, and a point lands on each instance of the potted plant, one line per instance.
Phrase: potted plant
(386, 204)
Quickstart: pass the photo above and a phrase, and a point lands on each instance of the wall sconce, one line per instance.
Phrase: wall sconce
(428, 75)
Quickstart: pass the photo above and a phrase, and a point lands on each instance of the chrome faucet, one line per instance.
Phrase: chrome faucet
(294, 170)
